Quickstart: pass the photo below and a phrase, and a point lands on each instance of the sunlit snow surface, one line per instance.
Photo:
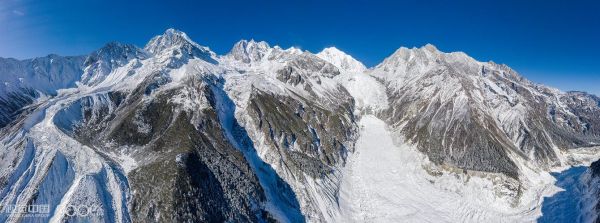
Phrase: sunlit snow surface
(387, 183)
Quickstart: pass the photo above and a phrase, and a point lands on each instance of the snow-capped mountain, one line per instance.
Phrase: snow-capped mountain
(464, 113)
(175, 132)
(102, 62)
(175, 48)
(249, 51)
(22, 81)
(341, 60)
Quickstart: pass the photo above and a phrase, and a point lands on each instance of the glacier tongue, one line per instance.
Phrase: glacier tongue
(383, 182)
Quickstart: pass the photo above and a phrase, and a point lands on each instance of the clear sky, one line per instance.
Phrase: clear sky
(548, 41)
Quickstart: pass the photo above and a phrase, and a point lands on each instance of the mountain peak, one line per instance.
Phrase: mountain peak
(177, 44)
(116, 52)
(117, 47)
(422, 57)
(253, 43)
(430, 47)
(341, 59)
(249, 51)
(172, 31)
(333, 49)
(170, 38)
(112, 55)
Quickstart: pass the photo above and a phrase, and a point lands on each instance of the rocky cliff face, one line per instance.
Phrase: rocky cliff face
(478, 116)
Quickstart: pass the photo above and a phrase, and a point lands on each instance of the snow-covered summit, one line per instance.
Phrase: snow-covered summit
(113, 55)
(175, 44)
(170, 38)
(117, 49)
(409, 60)
(341, 60)
(249, 51)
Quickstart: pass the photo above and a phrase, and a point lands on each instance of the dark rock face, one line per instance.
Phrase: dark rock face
(455, 132)
(592, 189)
(306, 141)
(304, 70)
(196, 178)
(11, 105)
(595, 168)
(309, 138)
(585, 109)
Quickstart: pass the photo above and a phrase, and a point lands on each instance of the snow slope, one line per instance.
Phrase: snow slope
(50, 145)
(384, 182)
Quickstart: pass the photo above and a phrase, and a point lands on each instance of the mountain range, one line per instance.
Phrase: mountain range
(173, 132)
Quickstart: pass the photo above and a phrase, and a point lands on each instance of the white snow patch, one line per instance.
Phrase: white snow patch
(127, 162)
(369, 94)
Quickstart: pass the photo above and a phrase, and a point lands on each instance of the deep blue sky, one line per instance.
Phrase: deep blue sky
(552, 42)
